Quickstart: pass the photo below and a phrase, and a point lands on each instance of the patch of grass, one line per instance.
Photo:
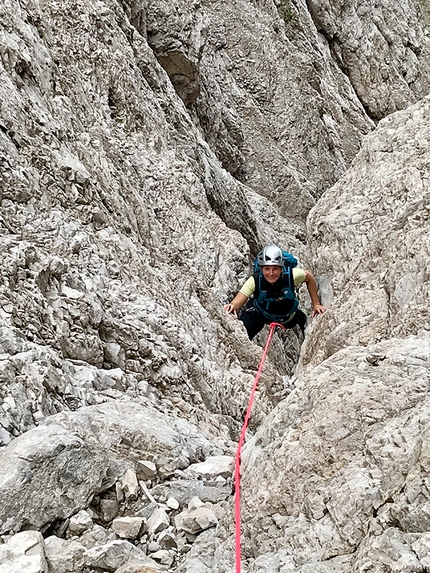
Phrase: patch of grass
(286, 11)
(423, 9)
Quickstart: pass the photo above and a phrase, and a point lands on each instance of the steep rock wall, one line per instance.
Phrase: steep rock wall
(147, 151)
(280, 115)
(383, 49)
(336, 476)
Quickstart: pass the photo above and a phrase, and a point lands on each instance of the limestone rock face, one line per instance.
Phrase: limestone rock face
(147, 151)
(383, 49)
(370, 239)
(239, 68)
(337, 461)
(336, 474)
(120, 227)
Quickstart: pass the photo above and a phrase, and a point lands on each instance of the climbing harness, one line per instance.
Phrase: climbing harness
(272, 328)
(275, 305)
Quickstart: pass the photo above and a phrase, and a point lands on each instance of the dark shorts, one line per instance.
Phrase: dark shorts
(254, 321)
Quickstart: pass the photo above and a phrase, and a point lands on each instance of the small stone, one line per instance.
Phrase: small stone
(127, 527)
(113, 555)
(167, 540)
(163, 557)
(24, 552)
(108, 509)
(158, 521)
(129, 484)
(213, 467)
(63, 555)
(194, 503)
(79, 523)
(172, 503)
(153, 547)
(198, 520)
(146, 469)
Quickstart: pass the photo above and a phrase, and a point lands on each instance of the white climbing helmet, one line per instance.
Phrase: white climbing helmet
(271, 255)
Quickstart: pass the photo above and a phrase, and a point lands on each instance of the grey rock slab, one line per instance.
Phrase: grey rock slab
(108, 509)
(372, 244)
(79, 523)
(158, 521)
(128, 527)
(64, 556)
(213, 467)
(114, 555)
(166, 540)
(184, 490)
(97, 535)
(146, 469)
(23, 553)
(202, 556)
(136, 567)
(130, 429)
(164, 557)
(48, 473)
(196, 520)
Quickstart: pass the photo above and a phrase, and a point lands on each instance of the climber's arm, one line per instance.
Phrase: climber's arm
(237, 303)
(317, 307)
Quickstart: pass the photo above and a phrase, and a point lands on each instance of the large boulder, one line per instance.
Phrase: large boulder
(46, 474)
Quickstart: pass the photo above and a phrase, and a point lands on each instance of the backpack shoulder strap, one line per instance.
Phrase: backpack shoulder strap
(257, 275)
(289, 278)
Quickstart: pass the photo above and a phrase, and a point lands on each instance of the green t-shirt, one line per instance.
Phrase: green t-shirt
(248, 288)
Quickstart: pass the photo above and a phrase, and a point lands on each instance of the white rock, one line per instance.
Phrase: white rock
(158, 521)
(80, 522)
(196, 520)
(164, 557)
(195, 502)
(129, 484)
(146, 469)
(23, 553)
(137, 567)
(213, 467)
(172, 503)
(115, 554)
(127, 527)
(64, 556)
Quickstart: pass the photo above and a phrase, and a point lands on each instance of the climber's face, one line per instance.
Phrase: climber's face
(271, 273)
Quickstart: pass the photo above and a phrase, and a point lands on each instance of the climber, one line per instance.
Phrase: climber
(270, 293)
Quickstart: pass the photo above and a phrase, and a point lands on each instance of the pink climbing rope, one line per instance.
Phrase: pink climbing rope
(272, 328)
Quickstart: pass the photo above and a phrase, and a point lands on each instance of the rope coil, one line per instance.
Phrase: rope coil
(272, 328)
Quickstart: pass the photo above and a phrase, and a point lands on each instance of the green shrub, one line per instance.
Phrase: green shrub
(285, 11)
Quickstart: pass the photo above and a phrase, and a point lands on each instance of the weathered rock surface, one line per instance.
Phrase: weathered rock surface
(371, 245)
(23, 552)
(383, 49)
(147, 150)
(338, 469)
(245, 64)
(46, 474)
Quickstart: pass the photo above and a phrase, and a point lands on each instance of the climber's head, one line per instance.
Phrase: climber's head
(271, 263)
